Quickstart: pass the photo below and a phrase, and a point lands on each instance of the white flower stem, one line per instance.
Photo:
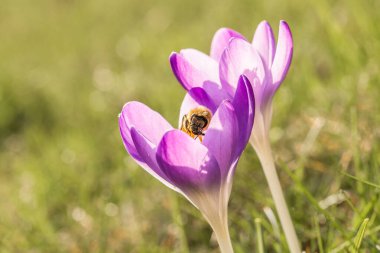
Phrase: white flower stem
(222, 234)
(264, 153)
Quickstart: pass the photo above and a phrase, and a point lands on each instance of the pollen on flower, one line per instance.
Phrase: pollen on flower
(203, 172)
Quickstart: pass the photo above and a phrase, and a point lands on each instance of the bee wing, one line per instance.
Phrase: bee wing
(184, 124)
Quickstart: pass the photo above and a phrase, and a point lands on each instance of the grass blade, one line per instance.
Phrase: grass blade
(361, 180)
(319, 237)
(259, 236)
(359, 235)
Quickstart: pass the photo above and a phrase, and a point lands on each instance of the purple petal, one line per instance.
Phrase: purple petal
(202, 98)
(193, 68)
(140, 116)
(284, 53)
(188, 164)
(220, 41)
(147, 151)
(244, 104)
(240, 58)
(127, 139)
(264, 43)
(222, 136)
(185, 73)
(194, 98)
(201, 61)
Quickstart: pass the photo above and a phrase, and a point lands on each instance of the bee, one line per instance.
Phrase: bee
(196, 121)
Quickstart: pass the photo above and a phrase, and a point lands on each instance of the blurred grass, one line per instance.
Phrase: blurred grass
(68, 66)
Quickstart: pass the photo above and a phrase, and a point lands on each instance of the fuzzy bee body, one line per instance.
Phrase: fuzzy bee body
(196, 122)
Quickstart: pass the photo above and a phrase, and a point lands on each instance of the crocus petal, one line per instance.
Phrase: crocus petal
(147, 152)
(127, 139)
(140, 116)
(222, 136)
(220, 41)
(284, 54)
(195, 97)
(201, 61)
(264, 43)
(193, 68)
(240, 58)
(188, 164)
(244, 104)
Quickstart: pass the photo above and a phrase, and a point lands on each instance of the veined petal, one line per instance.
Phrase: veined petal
(220, 41)
(284, 54)
(193, 68)
(222, 136)
(188, 164)
(264, 43)
(195, 97)
(240, 58)
(244, 104)
(147, 151)
(150, 123)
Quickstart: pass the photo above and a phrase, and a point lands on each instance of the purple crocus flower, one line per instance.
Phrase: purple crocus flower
(265, 64)
(201, 171)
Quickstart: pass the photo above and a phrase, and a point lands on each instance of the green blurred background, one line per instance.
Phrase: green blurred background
(68, 66)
